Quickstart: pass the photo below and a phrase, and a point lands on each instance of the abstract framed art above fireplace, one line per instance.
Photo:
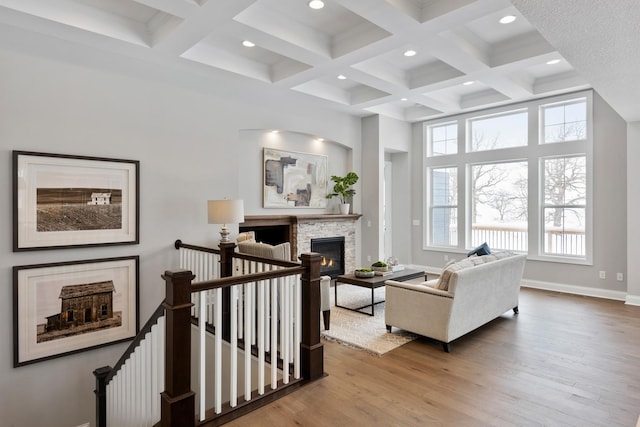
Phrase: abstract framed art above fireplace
(294, 180)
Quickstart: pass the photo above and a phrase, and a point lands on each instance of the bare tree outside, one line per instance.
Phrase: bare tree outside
(505, 203)
(498, 196)
(565, 186)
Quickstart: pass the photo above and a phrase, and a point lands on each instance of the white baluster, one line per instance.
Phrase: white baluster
(298, 323)
(233, 369)
(202, 325)
(284, 330)
(217, 324)
(248, 292)
(273, 283)
(261, 336)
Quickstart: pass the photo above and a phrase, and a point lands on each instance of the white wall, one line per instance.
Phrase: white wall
(372, 178)
(385, 138)
(58, 98)
(251, 168)
(395, 138)
(633, 213)
(609, 215)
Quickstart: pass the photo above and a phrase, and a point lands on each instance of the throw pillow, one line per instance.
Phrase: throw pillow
(483, 249)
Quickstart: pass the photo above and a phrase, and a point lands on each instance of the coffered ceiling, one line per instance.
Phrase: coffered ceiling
(464, 57)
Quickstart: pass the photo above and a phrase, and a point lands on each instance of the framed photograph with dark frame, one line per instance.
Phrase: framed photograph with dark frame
(62, 201)
(294, 180)
(69, 307)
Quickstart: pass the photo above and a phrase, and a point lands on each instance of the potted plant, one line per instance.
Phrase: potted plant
(343, 190)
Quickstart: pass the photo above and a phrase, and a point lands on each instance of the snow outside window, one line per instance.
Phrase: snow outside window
(499, 203)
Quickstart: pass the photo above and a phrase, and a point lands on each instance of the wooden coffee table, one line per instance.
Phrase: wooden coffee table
(373, 283)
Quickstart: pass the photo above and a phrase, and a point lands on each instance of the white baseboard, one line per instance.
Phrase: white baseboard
(576, 290)
(633, 300)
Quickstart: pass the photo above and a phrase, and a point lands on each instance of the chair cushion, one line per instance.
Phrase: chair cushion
(265, 250)
(247, 236)
(443, 282)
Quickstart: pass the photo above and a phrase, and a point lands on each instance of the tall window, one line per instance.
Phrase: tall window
(444, 206)
(499, 205)
(525, 175)
(564, 209)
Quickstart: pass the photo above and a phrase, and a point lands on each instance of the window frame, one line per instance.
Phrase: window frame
(506, 112)
(469, 226)
(543, 122)
(535, 150)
(544, 205)
(433, 206)
(431, 140)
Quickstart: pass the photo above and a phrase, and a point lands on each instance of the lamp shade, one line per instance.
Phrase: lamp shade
(225, 211)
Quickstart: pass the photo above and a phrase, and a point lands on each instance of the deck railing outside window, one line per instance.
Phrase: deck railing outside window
(557, 242)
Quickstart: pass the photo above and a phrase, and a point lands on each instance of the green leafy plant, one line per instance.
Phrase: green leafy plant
(342, 188)
(379, 264)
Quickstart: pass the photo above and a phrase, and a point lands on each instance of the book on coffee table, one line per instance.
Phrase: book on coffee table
(384, 273)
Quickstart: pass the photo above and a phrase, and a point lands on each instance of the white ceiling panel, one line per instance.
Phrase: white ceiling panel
(300, 51)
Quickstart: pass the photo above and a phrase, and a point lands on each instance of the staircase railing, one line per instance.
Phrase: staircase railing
(251, 330)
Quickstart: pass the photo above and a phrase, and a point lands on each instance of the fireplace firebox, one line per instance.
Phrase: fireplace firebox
(332, 251)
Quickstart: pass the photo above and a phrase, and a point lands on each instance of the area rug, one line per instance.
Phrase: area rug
(359, 330)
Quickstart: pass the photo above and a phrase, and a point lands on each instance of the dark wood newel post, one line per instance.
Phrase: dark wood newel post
(178, 401)
(101, 395)
(312, 350)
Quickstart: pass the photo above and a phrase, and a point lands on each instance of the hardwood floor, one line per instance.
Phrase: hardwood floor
(565, 360)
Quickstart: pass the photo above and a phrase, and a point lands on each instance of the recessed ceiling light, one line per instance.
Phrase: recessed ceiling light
(274, 131)
(410, 52)
(470, 82)
(341, 77)
(404, 99)
(320, 139)
(247, 43)
(553, 62)
(507, 19)
(316, 4)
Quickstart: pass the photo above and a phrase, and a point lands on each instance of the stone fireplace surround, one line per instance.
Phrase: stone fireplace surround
(303, 228)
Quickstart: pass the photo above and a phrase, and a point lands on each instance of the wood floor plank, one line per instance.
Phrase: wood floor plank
(565, 360)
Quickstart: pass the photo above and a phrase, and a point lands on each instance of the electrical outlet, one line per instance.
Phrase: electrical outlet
(446, 257)
(369, 258)
(603, 274)
(416, 222)
(619, 277)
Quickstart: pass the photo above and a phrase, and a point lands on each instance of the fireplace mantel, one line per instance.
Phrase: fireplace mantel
(266, 220)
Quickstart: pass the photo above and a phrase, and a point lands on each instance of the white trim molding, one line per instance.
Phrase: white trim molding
(577, 290)
(633, 300)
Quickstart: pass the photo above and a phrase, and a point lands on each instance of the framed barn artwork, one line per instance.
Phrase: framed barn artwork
(69, 307)
(294, 180)
(62, 201)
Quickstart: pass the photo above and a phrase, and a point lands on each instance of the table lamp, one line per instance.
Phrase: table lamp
(225, 212)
